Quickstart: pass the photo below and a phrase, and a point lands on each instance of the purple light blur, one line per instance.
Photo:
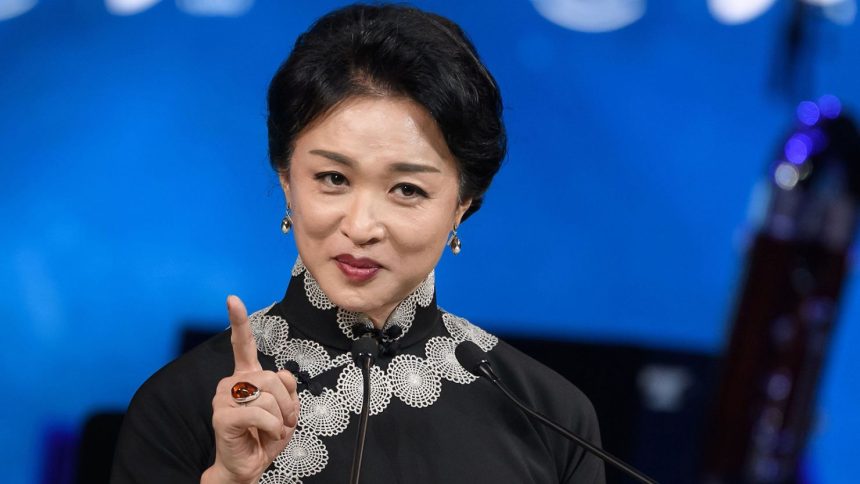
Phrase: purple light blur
(830, 106)
(808, 113)
(798, 148)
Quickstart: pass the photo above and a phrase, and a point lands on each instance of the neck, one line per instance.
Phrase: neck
(380, 316)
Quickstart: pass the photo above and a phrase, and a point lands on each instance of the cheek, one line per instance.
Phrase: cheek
(314, 221)
(420, 232)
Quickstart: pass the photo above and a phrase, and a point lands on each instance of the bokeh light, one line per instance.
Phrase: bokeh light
(13, 8)
(129, 7)
(808, 113)
(735, 12)
(591, 16)
(786, 176)
(798, 148)
(830, 106)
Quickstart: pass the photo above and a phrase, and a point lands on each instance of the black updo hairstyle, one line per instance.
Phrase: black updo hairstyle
(392, 50)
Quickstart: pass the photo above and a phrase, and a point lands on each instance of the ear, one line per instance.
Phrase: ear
(461, 210)
(284, 178)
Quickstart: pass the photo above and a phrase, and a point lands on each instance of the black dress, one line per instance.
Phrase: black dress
(431, 421)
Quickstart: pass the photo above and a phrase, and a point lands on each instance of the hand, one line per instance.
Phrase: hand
(248, 437)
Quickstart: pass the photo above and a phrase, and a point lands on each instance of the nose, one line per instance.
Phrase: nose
(361, 222)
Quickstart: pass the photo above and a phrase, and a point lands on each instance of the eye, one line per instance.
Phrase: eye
(331, 178)
(408, 190)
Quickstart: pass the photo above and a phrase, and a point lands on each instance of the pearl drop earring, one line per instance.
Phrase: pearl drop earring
(454, 242)
(287, 221)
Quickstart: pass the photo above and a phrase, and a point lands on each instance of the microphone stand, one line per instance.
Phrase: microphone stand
(476, 361)
(364, 351)
(606, 456)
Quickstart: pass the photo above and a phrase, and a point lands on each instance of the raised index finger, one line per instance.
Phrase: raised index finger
(244, 347)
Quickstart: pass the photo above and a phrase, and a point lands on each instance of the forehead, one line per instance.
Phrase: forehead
(374, 129)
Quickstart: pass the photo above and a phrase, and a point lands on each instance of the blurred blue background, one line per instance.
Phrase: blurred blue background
(136, 193)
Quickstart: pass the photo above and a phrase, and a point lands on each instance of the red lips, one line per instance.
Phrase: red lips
(357, 269)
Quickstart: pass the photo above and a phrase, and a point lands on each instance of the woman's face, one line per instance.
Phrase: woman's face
(374, 193)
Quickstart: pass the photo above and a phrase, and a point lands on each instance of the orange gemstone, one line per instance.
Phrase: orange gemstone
(243, 390)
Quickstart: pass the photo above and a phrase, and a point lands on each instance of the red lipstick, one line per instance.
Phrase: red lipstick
(357, 269)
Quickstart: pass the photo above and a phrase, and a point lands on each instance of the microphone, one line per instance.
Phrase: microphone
(364, 349)
(477, 362)
(364, 352)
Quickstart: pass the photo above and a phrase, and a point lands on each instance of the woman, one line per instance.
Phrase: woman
(385, 130)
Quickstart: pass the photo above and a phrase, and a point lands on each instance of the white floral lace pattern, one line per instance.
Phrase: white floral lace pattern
(402, 316)
(350, 386)
(315, 294)
(298, 267)
(277, 476)
(310, 356)
(441, 357)
(305, 455)
(346, 320)
(323, 415)
(413, 381)
(424, 294)
(462, 330)
(270, 332)
(340, 360)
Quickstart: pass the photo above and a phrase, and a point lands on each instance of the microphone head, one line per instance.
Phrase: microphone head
(472, 357)
(365, 347)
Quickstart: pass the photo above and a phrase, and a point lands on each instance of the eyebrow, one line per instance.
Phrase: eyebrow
(404, 167)
(400, 167)
(336, 157)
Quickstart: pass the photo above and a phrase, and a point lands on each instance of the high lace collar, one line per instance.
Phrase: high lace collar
(308, 335)
(313, 316)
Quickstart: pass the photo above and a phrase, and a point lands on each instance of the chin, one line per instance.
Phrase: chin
(357, 303)
(352, 298)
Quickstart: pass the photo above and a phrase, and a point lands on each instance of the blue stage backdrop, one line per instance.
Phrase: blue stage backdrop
(136, 193)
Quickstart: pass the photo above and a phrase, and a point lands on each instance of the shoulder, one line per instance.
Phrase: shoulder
(535, 383)
(552, 395)
(549, 393)
(166, 434)
(181, 391)
(543, 387)
(198, 369)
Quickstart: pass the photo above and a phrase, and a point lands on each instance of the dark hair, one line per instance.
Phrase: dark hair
(392, 50)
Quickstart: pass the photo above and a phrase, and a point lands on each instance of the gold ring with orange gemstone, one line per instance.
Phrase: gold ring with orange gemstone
(244, 392)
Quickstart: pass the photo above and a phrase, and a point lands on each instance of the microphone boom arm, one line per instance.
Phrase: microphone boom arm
(475, 361)
(606, 456)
